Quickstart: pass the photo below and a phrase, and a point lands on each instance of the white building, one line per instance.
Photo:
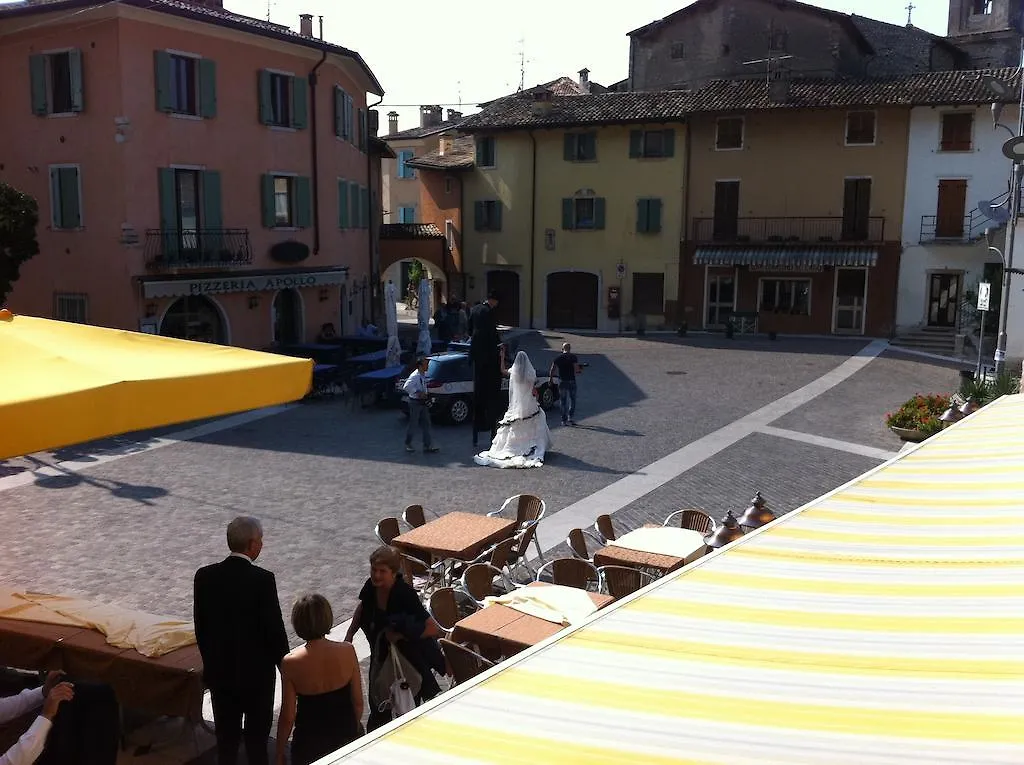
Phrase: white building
(954, 162)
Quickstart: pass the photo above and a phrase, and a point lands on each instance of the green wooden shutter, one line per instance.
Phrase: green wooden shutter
(366, 207)
(303, 202)
(350, 131)
(162, 78)
(55, 212)
(207, 88)
(496, 218)
(363, 133)
(67, 209)
(267, 199)
(479, 218)
(353, 202)
(339, 111)
(300, 102)
(77, 86)
(480, 153)
(266, 111)
(592, 152)
(37, 81)
(642, 213)
(568, 218)
(670, 142)
(213, 216)
(636, 143)
(168, 200)
(599, 213)
(654, 215)
(569, 147)
(343, 209)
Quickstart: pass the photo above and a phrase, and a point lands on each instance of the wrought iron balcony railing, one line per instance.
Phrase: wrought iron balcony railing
(205, 248)
(954, 230)
(788, 230)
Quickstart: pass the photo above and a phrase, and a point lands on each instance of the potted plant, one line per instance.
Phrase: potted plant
(918, 418)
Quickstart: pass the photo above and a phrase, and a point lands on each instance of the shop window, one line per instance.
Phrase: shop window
(788, 296)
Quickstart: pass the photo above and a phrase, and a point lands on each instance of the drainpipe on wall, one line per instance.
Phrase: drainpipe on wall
(315, 152)
(685, 238)
(372, 278)
(462, 226)
(533, 223)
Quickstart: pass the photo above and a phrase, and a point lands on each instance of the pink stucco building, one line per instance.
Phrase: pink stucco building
(199, 173)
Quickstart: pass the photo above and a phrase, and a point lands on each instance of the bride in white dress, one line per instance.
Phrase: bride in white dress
(523, 436)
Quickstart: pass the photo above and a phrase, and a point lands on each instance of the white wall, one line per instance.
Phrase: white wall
(986, 172)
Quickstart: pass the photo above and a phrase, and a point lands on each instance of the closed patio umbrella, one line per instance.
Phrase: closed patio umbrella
(66, 383)
(394, 357)
(423, 314)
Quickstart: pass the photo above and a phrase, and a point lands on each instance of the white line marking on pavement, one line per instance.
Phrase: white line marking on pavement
(556, 527)
(132, 448)
(829, 443)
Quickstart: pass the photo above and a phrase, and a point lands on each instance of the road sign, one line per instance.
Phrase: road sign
(984, 296)
(620, 270)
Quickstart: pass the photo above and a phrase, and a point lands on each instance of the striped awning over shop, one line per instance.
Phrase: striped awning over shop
(788, 258)
(881, 624)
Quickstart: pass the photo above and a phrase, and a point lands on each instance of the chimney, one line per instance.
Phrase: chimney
(392, 123)
(430, 116)
(454, 115)
(585, 80)
(306, 24)
(444, 144)
(542, 103)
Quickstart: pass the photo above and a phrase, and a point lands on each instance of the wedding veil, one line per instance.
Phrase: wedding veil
(521, 379)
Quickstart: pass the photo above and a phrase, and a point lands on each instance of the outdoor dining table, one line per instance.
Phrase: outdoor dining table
(500, 631)
(677, 547)
(458, 535)
(369, 358)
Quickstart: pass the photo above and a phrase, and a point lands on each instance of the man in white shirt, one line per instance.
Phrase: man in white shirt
(419, 414)
(30, 745)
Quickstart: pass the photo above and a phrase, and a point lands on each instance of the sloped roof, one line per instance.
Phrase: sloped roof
(560, 86)
(410, 231)
(203, 13)
(460, 154)
(901, 49)
(601, 109)
(421, 132)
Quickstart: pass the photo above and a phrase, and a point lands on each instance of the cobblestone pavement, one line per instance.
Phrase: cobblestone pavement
(320, 475)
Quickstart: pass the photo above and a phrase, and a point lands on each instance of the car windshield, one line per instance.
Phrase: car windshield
(434, 368)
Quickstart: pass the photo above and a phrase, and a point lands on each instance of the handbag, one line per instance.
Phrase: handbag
(402, 698)
(397, 679)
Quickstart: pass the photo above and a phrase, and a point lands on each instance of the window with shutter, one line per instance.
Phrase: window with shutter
(207, 88)
(277, 99)
(303, 202)
(580, 147)
(299, 102)
(65, 197)
(487, 215)
(485, 151)
(339, 112)
(212, 216)
(956, 131)
(860, 128)
(344, 219)
(648, 216)
(729, 133)
(71, 307)
(280, 203)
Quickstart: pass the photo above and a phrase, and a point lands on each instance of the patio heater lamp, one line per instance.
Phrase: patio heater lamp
(951, 415)
(727, 532)
(757, 515)
(970, 406)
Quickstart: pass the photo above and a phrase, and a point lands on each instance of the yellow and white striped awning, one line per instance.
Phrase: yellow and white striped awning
(881, 624)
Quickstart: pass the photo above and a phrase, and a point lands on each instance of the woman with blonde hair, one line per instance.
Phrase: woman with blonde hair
(321, 689)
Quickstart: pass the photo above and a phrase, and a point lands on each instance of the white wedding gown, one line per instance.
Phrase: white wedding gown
(523, 436)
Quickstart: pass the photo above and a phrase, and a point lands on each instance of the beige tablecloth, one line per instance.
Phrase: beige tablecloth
(149, 634)
(662, 540)
(554, 603)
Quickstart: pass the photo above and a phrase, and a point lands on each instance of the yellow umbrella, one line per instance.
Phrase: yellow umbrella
(63, 383)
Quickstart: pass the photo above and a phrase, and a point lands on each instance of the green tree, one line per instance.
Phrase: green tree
(19, 215)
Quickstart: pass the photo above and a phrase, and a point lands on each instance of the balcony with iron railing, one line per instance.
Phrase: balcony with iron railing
(954, 230)
(788, 230)
(205, 248)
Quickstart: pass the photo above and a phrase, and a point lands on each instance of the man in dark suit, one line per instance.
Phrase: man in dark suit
(241, 637)
(486, 357)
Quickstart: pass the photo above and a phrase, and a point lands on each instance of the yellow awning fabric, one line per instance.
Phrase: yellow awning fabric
(63, 384)
(880, 624)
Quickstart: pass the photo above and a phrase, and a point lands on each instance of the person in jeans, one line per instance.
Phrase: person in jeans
(419, 414)
(565, 367)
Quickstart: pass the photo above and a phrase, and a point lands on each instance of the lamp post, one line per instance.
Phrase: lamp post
(1013, 149)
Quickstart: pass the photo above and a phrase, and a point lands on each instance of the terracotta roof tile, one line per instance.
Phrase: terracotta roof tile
(459, 155)
(421, 132)
(605, 108)
(410, 231)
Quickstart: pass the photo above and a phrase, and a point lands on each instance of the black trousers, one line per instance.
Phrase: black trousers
(486, 394)
(243, 713)
(86, 730)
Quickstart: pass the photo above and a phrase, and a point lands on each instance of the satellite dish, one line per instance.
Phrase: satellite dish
(994, 212)
(1014, 149)
(997, 86)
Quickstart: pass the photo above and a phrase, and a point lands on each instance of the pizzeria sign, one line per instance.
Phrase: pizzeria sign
(242, 283)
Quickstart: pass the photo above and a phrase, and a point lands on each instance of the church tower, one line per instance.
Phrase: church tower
(988, 30)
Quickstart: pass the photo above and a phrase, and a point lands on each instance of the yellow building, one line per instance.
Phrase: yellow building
(573, 211)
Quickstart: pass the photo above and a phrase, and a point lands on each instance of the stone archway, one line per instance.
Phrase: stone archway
(195, 317)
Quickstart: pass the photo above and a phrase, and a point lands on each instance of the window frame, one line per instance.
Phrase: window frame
(575, 139)
(576, 225)
(71, 296)
(277, 75)
(405, 173)
(491, 142)
(194, 59)
(874, 128)
(401, 214)
(942, 129)
(489, 219)
(742, 134)
(48, 61)
(778, 280)
(291, 180)
(449, 184)
(677, 51)
(54, 201)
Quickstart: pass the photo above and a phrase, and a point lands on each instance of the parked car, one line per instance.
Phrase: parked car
(450, 387)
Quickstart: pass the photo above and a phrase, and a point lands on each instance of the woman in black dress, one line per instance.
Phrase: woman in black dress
(389, 607)
(321, 688)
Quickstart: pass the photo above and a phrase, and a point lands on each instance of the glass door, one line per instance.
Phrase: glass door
(851, 296)
(720, 299)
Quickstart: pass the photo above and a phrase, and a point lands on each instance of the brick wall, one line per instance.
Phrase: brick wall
(441, 201)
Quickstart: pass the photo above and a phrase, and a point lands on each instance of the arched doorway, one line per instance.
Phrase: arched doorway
(195, 317)
(506, 284)
(572, 300)
(287, 317)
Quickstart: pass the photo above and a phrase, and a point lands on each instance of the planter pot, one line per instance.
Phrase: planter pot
(906, 434)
